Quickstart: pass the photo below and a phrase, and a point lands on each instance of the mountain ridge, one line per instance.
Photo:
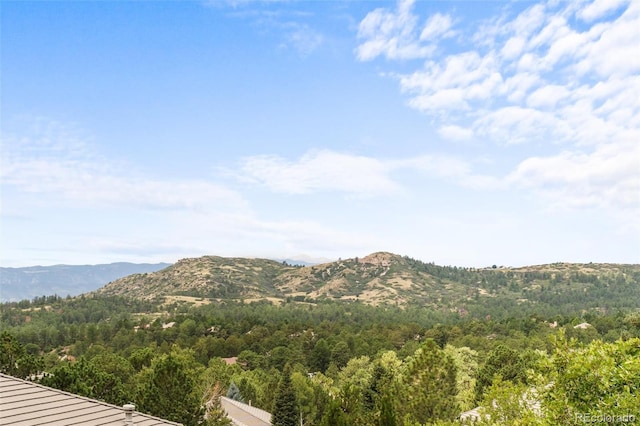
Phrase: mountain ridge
(384, 278)
(35, 281)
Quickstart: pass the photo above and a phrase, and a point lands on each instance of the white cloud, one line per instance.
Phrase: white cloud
(517, 125)
(394, 34)
(613, 52)
(320, 171)
(547, 96)
(441, 100)
(91, 210)
(600, 8)
(449, 169)
(51, 158)
(513, 47)
(518, 86)
(302, 38)
(289, 24)
(606, 177)
(527, 22)
(455, 133)
(462, 78)
(541, 77)
(437, 25)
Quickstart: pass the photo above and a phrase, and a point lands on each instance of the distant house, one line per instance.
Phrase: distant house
(472, 415)
(24, 403)
(529, 400)
(242, 414)
(231, 360)
(583, 325)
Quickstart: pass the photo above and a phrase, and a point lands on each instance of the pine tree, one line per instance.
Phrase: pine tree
(234, 393)
(285, 411)
(320, 356)
(431, 385)
(504, 362)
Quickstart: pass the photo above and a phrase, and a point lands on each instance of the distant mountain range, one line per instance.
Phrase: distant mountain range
(29, 282)
(389, 279)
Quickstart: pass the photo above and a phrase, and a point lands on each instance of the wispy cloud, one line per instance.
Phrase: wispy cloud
(455, 133)
(320, 171)
(600, 8)
(437, 26)
(301, 38)
(606, 177)
(280, 17)
(396, 34)
(559, 75)
(53, 158)
(330, 171)
(117, 211)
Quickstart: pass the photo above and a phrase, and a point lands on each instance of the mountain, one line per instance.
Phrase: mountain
(386, 278)
(29, 282)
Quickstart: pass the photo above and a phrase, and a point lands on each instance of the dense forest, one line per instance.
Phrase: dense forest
(329, 363)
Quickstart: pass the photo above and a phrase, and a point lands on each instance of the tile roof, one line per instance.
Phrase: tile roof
(24, 403)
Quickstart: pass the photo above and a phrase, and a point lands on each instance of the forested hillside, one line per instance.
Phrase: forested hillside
(389, 279)
(334, 356)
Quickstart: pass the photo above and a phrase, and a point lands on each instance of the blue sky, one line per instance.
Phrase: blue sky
(463, 133)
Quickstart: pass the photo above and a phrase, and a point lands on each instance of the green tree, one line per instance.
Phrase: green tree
(234, 393)
(168, 392)
(310, 397)
(387, 416)
(382, 397)
(247, 390)
(258, 386)
(320, 357)
(14, 359)
(114, 364)
(141, 358)
(340, 354)
(279, 356)
(214, 413)
(88, 379)
(504, 362)
(250, 360)
(354, 381)
(466, 363)
(600, 378)
(430, 378)
(335, 416)
(285, 409)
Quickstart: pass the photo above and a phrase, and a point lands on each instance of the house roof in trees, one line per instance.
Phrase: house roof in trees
(473, 415)
(242, 414)
(25, 403)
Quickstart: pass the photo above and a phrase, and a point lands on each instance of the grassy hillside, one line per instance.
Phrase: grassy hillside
(389, 279)
(208, 276)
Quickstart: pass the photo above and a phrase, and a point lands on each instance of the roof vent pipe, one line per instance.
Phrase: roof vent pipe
(128, 413)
